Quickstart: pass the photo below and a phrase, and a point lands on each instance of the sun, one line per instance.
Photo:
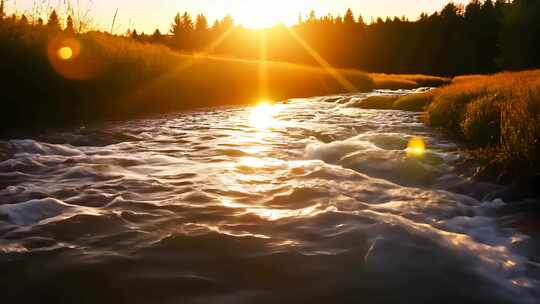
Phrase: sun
(264, 14)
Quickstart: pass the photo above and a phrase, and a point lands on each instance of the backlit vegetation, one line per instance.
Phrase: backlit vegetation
(57, 76)
(501, 111)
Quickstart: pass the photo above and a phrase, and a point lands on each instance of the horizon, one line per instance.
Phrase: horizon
(264, 14)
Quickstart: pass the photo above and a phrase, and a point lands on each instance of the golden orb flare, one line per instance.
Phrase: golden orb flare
(65, 53)
(416, 147)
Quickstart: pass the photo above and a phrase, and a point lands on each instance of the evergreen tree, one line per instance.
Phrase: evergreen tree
(201, 24)
(70, 28)
(23, 21)
(2, 10)
(54, 22)
(157, 37)
(348, 19)
(134, 35)
(227, 22)
(520, 36)
(187, 23)
(176, 26)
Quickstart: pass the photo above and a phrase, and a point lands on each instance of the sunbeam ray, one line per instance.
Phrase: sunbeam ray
(263, 67)
(190, 60)
(323, 63)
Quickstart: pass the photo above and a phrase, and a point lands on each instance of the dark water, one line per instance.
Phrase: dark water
(313, 201)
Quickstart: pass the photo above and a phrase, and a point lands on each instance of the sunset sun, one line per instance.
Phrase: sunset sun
(265, 14)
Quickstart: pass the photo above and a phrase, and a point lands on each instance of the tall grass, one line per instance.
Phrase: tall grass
(406, 81)
(500, 111)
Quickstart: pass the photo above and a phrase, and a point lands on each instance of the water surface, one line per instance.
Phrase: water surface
(309, 201)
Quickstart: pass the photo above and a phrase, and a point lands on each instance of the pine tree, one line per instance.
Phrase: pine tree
(187, 22)
(176, 26)
(54, 22)
(2, 10)
(227, 22)
(134, 35)
(24, 20)
(348, 19)
(201, 24)
(69, 25)
(157, 37)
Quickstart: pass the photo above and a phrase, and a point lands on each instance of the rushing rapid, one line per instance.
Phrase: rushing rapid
(307, 201)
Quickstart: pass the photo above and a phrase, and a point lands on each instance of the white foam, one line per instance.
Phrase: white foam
(35, 211)
(33, 147)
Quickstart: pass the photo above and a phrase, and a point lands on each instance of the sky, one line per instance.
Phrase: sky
(147, 15)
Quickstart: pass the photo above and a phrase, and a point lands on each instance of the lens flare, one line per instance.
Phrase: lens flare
(65, 53)
(416, 147)
(73, 60)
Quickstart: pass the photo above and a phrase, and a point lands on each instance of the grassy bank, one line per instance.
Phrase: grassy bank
(52, 78)
(498, 116)
(499, 113)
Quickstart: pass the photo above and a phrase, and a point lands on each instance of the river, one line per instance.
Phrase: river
(307, 201)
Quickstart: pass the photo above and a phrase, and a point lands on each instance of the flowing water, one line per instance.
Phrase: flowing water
(308, 201)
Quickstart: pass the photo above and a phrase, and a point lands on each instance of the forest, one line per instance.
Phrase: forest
(481, 37)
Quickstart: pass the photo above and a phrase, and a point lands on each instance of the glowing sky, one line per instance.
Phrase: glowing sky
(146, 15)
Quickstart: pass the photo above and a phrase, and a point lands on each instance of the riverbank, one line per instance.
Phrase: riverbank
(497, 116)
(53, 78)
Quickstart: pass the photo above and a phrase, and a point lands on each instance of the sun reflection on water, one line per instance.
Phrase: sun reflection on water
(262, 116)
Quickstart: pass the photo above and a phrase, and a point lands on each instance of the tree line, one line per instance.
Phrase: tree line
(480, 37)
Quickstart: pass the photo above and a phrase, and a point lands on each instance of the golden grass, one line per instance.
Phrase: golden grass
(407, 81)
(501, 111)
(378, 102)
(414, 102)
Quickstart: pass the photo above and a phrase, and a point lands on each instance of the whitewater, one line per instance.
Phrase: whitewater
(307, 201)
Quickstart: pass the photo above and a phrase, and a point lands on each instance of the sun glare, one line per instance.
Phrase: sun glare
(262, 116)
(65, 53)
(262, 14)
(416, 147)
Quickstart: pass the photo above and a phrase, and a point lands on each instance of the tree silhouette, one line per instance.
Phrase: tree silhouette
(201, 23)
(520, 38)
(176, 26)
(348, 19)
(187, 23)
(2, 10)
(53, 23)
(156, 37)
(134, 35)
(70, 28)
(23, 21)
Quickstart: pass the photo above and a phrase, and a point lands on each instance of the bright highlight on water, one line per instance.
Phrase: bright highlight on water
(255, 205)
